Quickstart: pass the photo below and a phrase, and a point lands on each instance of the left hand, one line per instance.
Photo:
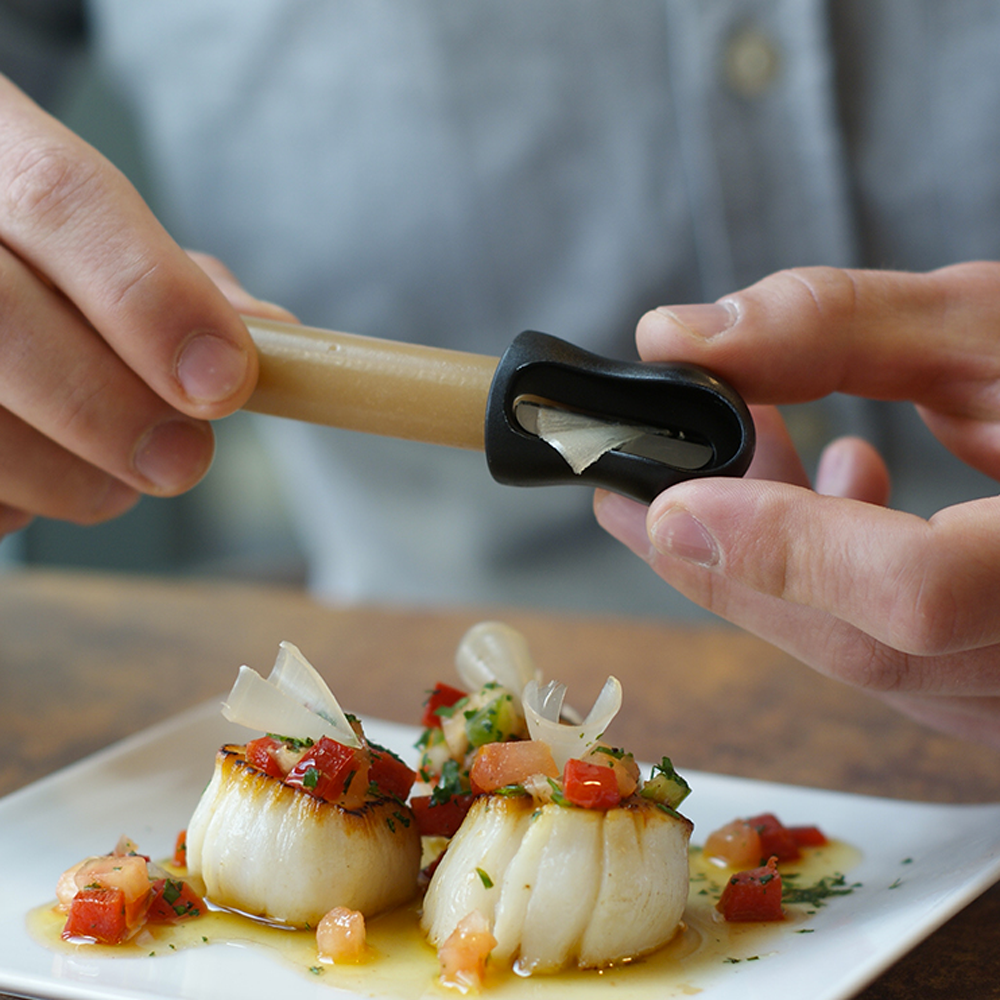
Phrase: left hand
(903, 607)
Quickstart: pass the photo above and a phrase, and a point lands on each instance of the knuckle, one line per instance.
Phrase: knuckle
(47, 184)
(830, 293)
(925, 616)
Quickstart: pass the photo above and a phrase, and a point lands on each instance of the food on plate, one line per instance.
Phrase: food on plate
(109, 899)
(544, 846)
(755, 846)
(308, 817)
(754, 895)
(564, 855)
(341, 936)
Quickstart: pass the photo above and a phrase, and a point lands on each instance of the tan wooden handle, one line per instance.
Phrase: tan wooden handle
(367, 384)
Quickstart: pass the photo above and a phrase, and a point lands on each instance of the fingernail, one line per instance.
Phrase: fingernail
(702, 320)
(174, 455)
(678, 533)
(211, 369)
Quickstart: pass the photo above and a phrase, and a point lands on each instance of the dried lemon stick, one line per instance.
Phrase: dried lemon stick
(367, 384)
(545, 413)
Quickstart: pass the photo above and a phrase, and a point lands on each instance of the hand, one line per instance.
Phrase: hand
(117, 348)
(906, 608)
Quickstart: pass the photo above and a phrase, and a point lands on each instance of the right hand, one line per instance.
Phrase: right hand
(116, 347)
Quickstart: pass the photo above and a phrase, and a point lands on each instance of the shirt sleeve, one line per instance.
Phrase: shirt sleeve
(39, 41)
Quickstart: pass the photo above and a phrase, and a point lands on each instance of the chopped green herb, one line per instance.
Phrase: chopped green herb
(311, 778)
(484, 878)
(292, 741)
(557, 793)
(814, 895)
(449, 785)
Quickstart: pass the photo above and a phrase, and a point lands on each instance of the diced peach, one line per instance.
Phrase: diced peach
(499, 764)
(463, 955)
(736, 845)
(340, 936)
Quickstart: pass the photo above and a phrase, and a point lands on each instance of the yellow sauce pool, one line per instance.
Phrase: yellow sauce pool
(401, 964)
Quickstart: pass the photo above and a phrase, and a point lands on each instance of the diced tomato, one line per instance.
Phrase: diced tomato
(753, 895)
(775, 838)
(332, 772)
(173, 900)
(126, 872)
(808, 836)
(590, 786)
(180, 857)
(442, 819)
(497, 765)
(97, 913)
(736, 845)
(443, 696)
(390, 774)
(260, 753)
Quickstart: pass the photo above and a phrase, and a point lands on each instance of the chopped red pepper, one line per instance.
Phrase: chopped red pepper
(173, 900)
(808, 836)
(99, 914)
(591, 786)
(753, 895)
(333, 772)
(440, 819)
(443, 696)
(390, 774)
(775, 838)
(260, 753)
(180, 858)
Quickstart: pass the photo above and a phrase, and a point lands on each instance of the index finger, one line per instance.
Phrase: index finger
(72, 216)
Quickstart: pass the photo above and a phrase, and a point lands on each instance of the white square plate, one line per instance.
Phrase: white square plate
(920, 864)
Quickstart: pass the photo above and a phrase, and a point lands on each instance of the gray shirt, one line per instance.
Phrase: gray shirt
(448, 172)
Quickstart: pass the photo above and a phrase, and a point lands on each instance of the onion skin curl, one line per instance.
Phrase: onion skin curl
(561, 886)
(273, 851)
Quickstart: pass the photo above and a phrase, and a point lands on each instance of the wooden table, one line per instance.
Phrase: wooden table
(85, 660)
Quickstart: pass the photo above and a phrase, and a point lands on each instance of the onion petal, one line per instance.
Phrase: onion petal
(542, 708)
(494, 652)
(286, 707)
(296, 676)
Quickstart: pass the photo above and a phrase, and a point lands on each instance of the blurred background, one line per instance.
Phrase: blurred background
(235, 523)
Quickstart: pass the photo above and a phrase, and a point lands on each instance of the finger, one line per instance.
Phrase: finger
(239, 298)
(851, 467)
(13, 520)
(922, 587)
(58, 376)
(38, 477)
(974, 719)
(775, 456)
(819, 639)
(73, 217)
(804, 333)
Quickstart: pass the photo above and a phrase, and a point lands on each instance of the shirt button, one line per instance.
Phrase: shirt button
(751, 63)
